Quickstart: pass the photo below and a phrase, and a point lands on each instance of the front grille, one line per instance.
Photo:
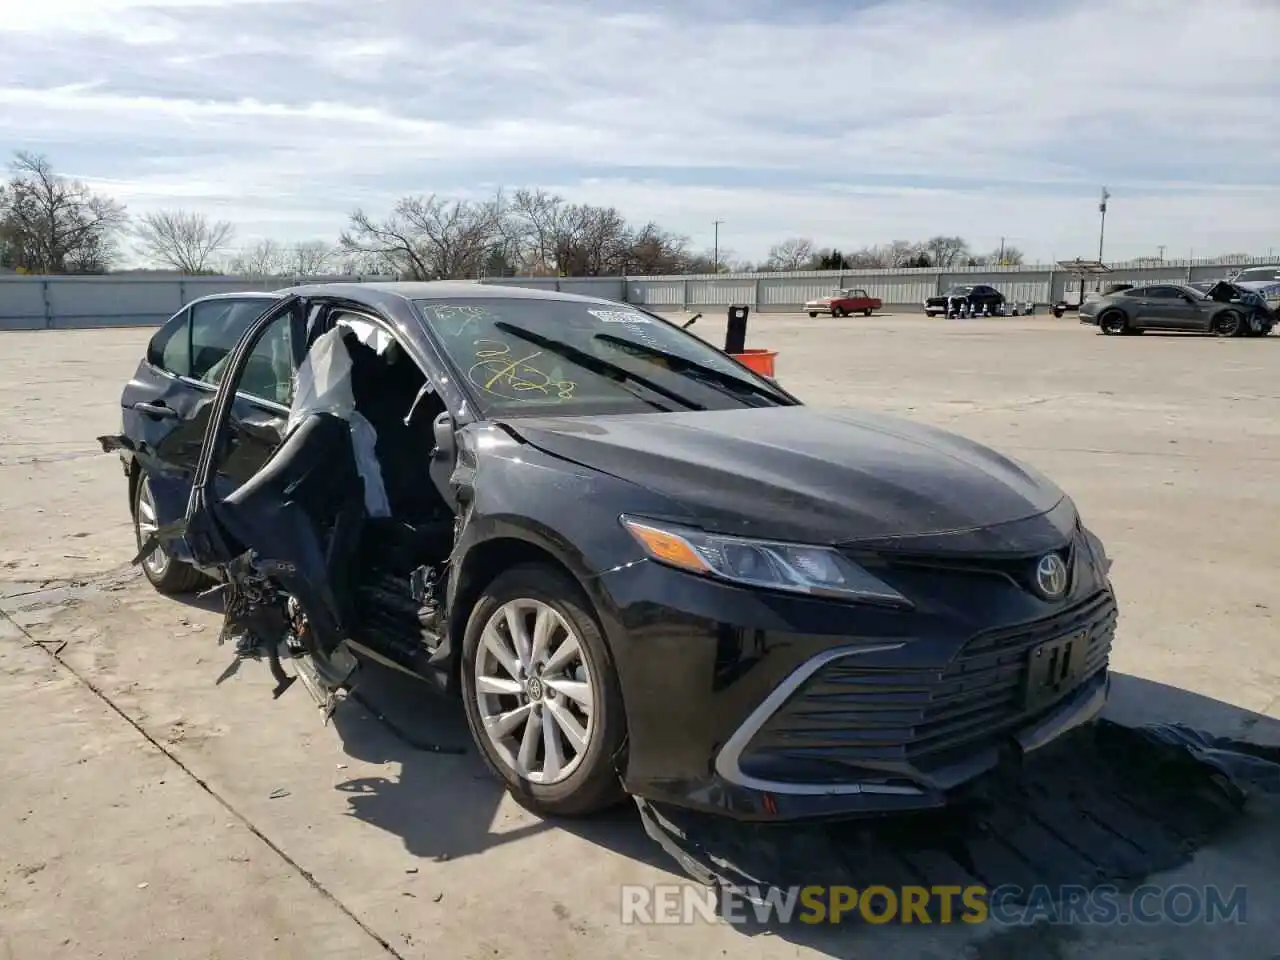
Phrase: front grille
(850, 714)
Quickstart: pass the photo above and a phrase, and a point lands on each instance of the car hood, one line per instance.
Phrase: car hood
(799, 473)
(820, 300)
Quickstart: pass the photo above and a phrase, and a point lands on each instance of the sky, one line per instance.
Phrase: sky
(850, 122)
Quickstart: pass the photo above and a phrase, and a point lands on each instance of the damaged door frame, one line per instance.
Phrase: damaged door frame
(205, 541)
(202, 530)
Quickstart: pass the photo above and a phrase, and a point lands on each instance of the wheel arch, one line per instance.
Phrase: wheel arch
(487, 560)
(135, 478)
(483, 563)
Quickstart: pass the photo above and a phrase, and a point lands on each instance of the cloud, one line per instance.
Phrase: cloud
(850, 122)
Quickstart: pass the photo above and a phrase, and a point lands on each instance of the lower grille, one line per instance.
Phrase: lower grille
(848, 714)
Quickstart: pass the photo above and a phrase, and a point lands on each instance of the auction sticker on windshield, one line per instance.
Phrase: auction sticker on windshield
(619, 316)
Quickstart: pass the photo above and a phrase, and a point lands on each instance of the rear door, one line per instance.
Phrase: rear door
(173, 399)
(246, 416)
(988, 297)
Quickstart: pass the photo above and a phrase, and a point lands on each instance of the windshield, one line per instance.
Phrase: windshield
(958, 292)
(535, 357)
(1258, 275)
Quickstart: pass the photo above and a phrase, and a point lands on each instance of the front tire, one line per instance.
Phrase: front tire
(1113, 323)
(866, 312)
(167, 575)
(541, 693)
(1228, 324)
(838, 312)
(813, 313)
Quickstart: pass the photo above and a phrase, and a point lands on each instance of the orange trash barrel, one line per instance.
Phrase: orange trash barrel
(761, 361)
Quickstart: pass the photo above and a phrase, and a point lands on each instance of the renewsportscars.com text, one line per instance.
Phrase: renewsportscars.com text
(1009, 905)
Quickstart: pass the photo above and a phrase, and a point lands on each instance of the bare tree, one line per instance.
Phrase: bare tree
(793, 254)
(311, 258)
(534, 218)
(350, 264)
(1006, 256)
(185, 241)
(52, 224)
(868, 258)
(947, 252)
(266, 258)
(652, 251)
(429, 238)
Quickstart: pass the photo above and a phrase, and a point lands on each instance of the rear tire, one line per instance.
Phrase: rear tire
(167, 575)
(592, 783)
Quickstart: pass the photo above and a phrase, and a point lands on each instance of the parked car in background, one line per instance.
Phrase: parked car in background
(640, 566)
(842, 303)
(1178, 307)
(1264, 281)
(970, 299)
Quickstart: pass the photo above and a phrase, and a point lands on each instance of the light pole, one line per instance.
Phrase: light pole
(1001, 261)
(1102, 225)
(715, 255)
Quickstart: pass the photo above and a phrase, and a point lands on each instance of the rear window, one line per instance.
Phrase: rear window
(216, 327)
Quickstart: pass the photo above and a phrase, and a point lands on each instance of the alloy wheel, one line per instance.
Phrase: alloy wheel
(1113, 323)
(534, 691)
(1228, 324)
(157, 561)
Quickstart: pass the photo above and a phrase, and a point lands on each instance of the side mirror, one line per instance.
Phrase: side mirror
(446, 442)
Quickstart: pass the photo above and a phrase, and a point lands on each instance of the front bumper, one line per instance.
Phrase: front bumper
(767, 707)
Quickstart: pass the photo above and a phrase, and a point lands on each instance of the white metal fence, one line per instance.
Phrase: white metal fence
(36, 303)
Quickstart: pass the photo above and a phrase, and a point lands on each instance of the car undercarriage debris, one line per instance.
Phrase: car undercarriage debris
(1107, 805)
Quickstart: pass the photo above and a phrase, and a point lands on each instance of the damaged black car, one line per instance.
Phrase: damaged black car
(642, 567)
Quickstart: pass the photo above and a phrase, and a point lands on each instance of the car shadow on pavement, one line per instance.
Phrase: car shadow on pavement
(1101, 810)
(443, 801)
(1055, 825)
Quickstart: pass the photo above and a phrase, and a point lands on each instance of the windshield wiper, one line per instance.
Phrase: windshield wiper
(598, 365)
(720, 377)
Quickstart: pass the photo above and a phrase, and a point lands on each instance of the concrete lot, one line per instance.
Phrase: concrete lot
(152, 808)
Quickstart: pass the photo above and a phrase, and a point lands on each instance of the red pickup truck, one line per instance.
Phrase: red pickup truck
(841, 303)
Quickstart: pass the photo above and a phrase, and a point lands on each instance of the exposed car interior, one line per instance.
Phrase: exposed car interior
(348, 493)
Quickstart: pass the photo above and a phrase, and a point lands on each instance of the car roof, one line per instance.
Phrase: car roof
(432, 290)
(378, 292)
(239, 295)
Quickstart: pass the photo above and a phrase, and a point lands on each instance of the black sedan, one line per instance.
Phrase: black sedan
(1222, 310)
(642, 567)
(967, 300)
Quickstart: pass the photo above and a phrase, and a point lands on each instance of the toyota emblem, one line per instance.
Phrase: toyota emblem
(1051, 577)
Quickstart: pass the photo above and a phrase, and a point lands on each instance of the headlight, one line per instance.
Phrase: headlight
(799, 568)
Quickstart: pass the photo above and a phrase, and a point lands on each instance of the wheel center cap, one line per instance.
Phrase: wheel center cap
(533, 689)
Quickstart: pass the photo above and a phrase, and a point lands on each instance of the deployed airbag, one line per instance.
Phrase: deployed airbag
(324, 386)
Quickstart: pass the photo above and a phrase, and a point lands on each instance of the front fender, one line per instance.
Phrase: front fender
(521, 503)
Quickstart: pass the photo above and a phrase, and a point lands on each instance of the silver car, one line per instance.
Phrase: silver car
(1264, 281)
